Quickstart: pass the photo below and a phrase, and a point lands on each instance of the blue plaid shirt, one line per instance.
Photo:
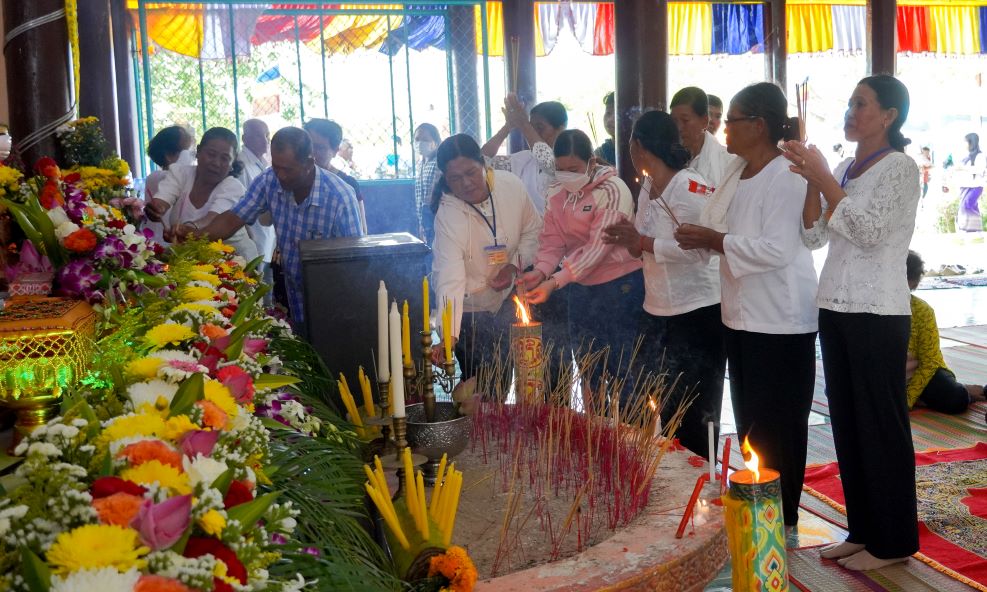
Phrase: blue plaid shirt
(330, 210)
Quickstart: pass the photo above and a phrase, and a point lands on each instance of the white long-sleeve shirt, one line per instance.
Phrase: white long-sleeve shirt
(460, 263)
(263, 236)
(711, 161)
(868, 236)
(675, 281)
(766, 274)
(535, 168)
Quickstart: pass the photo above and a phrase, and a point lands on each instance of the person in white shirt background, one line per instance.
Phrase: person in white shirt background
(715, 114)
(253, 158)
(187, 155)
(768, 286)
(866, 210)
(484, 223)
(681, 326)
(164, 150)
(690, 110)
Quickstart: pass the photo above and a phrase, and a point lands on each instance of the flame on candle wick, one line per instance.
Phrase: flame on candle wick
(522, 312)
(652, 404)
(751, 461)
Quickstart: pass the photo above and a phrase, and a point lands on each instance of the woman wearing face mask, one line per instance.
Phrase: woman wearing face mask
(683, 333)
(427, 140)
(484, 223)
(605, 286)
(202, 191)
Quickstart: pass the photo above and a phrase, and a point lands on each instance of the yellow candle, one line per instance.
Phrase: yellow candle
(368, 397)
(447, 330)
(426, 326)
(423, 516)
(405, 336)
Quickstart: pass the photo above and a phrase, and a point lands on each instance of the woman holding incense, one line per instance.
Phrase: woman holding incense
(682, 330)
(865, 210)
(603, 283)
(484, 224)
(768, 285)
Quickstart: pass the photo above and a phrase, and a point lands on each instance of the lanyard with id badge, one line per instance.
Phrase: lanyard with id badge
(497, 253)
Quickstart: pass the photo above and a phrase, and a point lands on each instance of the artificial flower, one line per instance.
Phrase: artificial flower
(95, 546)
(203, 469)
(212, 523)
(154, 471)
(161, 525)
(119, 508)
(153, 583)
(141, 452)
(107, 486)
(80, 241)
(199, 442)
(104, 579)
(168, 334)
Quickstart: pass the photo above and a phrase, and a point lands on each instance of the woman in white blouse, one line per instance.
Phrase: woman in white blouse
(683, 333)
(866, 211)
(768, 285)
(484, 224)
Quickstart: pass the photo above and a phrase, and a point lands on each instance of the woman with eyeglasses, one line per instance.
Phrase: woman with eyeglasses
(485, 224)
(866, 210)
(768, 285)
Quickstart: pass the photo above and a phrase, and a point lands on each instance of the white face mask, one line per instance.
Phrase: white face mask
(572, 182)
(425, 147)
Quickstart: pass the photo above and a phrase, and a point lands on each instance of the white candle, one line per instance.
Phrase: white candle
(383, 358)
(397, 389)
(712, 453)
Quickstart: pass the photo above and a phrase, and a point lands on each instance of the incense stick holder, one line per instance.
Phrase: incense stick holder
(448, 434)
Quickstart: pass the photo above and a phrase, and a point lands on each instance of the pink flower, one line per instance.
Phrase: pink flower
(161, 525)
(252, 347)
(199, 442)
(239, 383)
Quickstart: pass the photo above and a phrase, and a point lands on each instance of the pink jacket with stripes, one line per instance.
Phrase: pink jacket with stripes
(573, 231)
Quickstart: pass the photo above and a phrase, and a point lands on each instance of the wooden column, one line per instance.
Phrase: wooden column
(462, 42)
(641, 49)
(37, 73)
(98, 92)
(130, 143)
(519, 23)
(882, 29)
(776, 43)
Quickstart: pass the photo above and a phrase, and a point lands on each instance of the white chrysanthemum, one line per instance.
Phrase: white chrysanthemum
(65, 228)
(58, 216)
(150, 391)
(105, 579)
(203, 469)
(43, 448)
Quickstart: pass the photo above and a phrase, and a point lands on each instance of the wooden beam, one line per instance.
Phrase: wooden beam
(775, 43)
(882, 29)
(519, 25)
(98, 92)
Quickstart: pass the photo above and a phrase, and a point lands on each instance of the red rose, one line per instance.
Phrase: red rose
(46, 166)
(240, 383)
(237, 494)
(118, 224)
(81, 241)
(107, 486)
(72, 178)
(199, 546)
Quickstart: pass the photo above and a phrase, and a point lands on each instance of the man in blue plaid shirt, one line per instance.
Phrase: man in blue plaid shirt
(306, 203)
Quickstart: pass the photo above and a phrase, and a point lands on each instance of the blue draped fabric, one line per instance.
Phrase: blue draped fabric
(737, 28)
(419, 32)
(983, 29)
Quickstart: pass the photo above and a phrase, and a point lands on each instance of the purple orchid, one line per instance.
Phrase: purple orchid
(79, 278)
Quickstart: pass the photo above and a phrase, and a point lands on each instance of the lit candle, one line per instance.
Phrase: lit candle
(405, 335)
(397, 385)
(447, 330)
(712, 454)
(426, 326)
(383, 358)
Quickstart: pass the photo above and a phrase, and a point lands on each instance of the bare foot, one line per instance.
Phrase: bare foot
(839, 550)
(976, 392)
(864, 561)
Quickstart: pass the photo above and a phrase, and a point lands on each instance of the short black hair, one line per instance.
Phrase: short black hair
(914, 267)
(715, 101)
(431, 131)
(694, 97)
(657, 133)
(326, 128)
(608, 99)
(553, 112)
(165, 142)
(295, 139)
(224, 135)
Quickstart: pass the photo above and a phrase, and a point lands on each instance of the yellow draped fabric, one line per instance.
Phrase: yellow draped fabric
(178, 29)
(689, 26)
(539, 39)
(346, 33)
(954, 29)
(495, 29)
(810, 27)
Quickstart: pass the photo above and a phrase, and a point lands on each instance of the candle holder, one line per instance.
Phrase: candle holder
(447, 435)
(756, 531)
(420, 382)
(383, 445)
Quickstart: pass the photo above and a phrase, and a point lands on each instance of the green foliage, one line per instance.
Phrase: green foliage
(946, 220)
(84, 144)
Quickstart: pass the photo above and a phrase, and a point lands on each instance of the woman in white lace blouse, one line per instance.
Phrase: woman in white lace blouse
(866, 211)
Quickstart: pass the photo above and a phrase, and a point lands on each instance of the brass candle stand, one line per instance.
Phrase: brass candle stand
(419, 382)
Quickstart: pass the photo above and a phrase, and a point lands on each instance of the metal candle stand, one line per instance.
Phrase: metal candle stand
(419, 381)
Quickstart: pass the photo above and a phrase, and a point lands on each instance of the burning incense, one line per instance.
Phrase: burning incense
(515, 52)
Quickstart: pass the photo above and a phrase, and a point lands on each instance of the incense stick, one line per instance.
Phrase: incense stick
(515, 51)
(660, 199)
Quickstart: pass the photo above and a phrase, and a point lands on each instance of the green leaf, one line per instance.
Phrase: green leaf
(36, 574)
(26, 224)
(238, 335)
(222, 483)
(190, 391)
(47, 229)
(246, 305)
(272, 424)
(253, 264)
(106, 467)
(266, 382)
(179, 546)
(249, 513)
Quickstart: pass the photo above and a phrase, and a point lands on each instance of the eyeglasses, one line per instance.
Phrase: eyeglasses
(739, 119)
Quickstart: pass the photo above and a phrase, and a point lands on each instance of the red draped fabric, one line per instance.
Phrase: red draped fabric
(603, 31)
(282, 27)
(913, 28)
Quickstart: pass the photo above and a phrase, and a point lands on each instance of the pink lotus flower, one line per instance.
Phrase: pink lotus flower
(161, 525)
(239, 382)
(199, 442)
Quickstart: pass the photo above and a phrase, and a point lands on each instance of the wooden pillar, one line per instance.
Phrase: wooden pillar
(776, 43)
(641, 49)
(519, 24)
(37, 74)
(462, 44)
(130, 143)
(882, 29)
(98, 92)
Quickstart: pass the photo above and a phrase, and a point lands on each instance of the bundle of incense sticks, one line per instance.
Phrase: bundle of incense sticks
(660, 199)
(515, 52)
(802, 104)
(592, 127)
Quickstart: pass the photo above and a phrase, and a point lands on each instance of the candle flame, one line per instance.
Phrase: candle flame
(751, 459)
(522, 312)
(652, 404)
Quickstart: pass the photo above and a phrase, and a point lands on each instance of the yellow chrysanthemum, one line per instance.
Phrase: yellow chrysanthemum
(220, 247)
(209, 278)
(125, 426)
(212, 523)
(193, 293)
(196, 307)
(144, 368)
(168, 333)
(178, 426)
(97, 545)
(218, 394)
(155, 471)
(204, 267)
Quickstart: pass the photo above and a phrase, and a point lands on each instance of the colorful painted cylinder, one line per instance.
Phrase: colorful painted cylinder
(756, 532)
(528, 358)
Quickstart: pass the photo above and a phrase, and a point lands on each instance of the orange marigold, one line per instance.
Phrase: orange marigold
(212, 416)
(149, 583)
(139, 453)
(212, 332)
(81, 241)
(456, 566)
(117, 509)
